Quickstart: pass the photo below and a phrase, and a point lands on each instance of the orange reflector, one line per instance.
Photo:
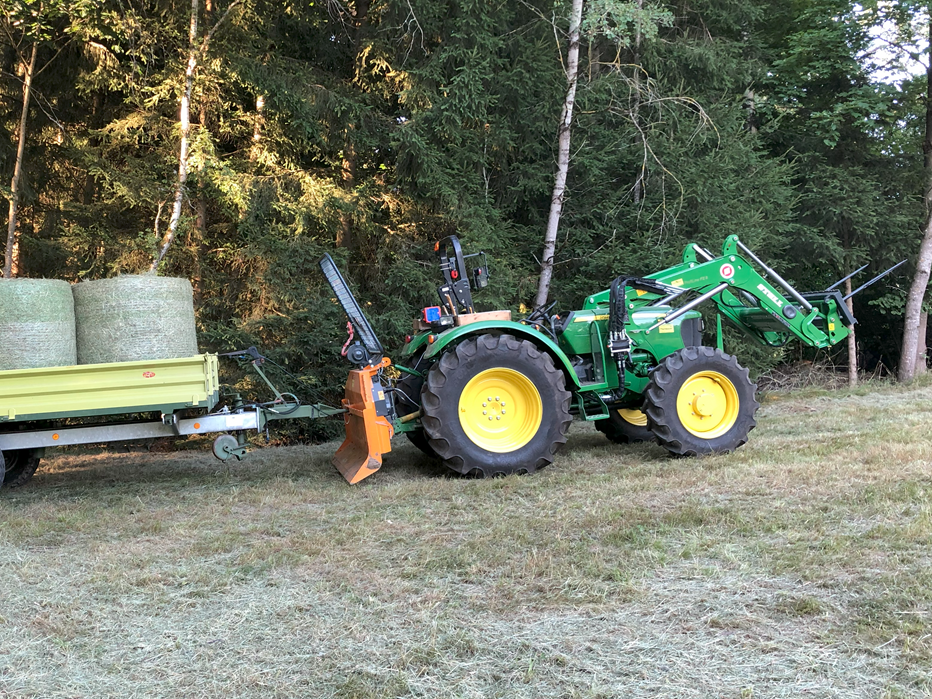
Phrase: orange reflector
(430, 339)
(436, 246)
(197, 425)
(55, 437)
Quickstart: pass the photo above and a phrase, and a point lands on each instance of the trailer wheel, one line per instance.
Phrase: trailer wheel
(495, 405)
(700, 401)
(625, 426)
(21, 465)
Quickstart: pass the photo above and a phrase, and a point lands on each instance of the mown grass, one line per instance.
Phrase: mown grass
(798, 566)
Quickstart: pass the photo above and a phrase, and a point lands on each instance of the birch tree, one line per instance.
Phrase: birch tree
(914, 321)
(910, 20)
(26, 26)
(621, 23)
(197, 50)
(563, 156)
(29, 69)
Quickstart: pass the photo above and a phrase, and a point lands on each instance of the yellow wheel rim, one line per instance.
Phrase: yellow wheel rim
(707, 404)
(500, 410)
(634, 417)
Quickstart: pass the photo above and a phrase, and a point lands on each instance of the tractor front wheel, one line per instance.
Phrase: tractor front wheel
(700, 401)
(495, 405)
(625, 426)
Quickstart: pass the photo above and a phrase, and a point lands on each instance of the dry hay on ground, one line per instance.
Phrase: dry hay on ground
(795, 567)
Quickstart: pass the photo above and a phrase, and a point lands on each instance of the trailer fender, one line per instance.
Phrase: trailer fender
(519, 330)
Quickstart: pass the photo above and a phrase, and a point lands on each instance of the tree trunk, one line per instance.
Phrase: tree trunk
(95, 122)
(637, 191)
(11, 241)
(257, 128)
(184, 117)
(198, 235)
(348, 175)
(346, 233)
(852, 342)
(917, 291)
(921, 344)
(563, 157)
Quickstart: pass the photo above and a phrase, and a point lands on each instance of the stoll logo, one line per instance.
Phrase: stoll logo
(770, 295)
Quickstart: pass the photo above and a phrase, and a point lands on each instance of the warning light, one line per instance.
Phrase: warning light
(436, 246)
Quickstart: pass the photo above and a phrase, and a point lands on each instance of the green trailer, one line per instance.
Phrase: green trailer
(98, 403)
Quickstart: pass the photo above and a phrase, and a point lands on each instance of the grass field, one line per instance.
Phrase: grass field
(799, 566)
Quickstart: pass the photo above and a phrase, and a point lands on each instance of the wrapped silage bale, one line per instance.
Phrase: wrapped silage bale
(131, 318)
(36, 324)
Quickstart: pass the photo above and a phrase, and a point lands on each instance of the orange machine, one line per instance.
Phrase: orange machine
(368, 429)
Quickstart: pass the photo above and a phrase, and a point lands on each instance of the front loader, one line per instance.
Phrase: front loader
(490, 395)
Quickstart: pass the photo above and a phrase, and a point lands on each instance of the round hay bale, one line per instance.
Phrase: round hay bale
(132, 318)
(36, 324)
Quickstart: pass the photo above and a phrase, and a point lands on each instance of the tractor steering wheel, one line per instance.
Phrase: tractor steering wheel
(539, 314)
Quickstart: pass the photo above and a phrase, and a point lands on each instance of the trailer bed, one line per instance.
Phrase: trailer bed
(162, 385)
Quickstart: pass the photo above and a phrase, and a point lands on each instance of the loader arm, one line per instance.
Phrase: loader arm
(770, 312)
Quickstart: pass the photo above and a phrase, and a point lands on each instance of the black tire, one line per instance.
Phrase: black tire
(732, 403)
(407, 400)
(619, 429)
(540, 431)
(21, 465)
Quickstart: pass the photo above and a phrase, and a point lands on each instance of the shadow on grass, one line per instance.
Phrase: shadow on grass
(134, 470)
(75, 472)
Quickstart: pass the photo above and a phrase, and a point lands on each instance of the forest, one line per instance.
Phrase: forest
(233, 142)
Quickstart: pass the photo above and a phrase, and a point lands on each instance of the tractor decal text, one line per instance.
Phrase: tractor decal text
(770, 295)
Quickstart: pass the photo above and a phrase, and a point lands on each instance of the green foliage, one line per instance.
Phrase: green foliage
(624, 23)
(388, 125)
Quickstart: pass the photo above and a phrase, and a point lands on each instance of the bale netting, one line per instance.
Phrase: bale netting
(132, 318)
(36, 324)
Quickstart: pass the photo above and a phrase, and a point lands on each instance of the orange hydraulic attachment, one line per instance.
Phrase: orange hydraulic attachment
(368, 435)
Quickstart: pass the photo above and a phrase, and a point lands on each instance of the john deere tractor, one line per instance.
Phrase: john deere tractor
(491, 395)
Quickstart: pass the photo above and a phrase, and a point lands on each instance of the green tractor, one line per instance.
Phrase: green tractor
(489, 395)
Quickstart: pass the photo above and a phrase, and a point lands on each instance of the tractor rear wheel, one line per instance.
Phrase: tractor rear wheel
(625, 426)
(21, 465)
(495, 405)
(700, 401)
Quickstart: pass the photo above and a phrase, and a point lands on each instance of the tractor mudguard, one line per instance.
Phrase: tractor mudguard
(517, 329)
(368, 434)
